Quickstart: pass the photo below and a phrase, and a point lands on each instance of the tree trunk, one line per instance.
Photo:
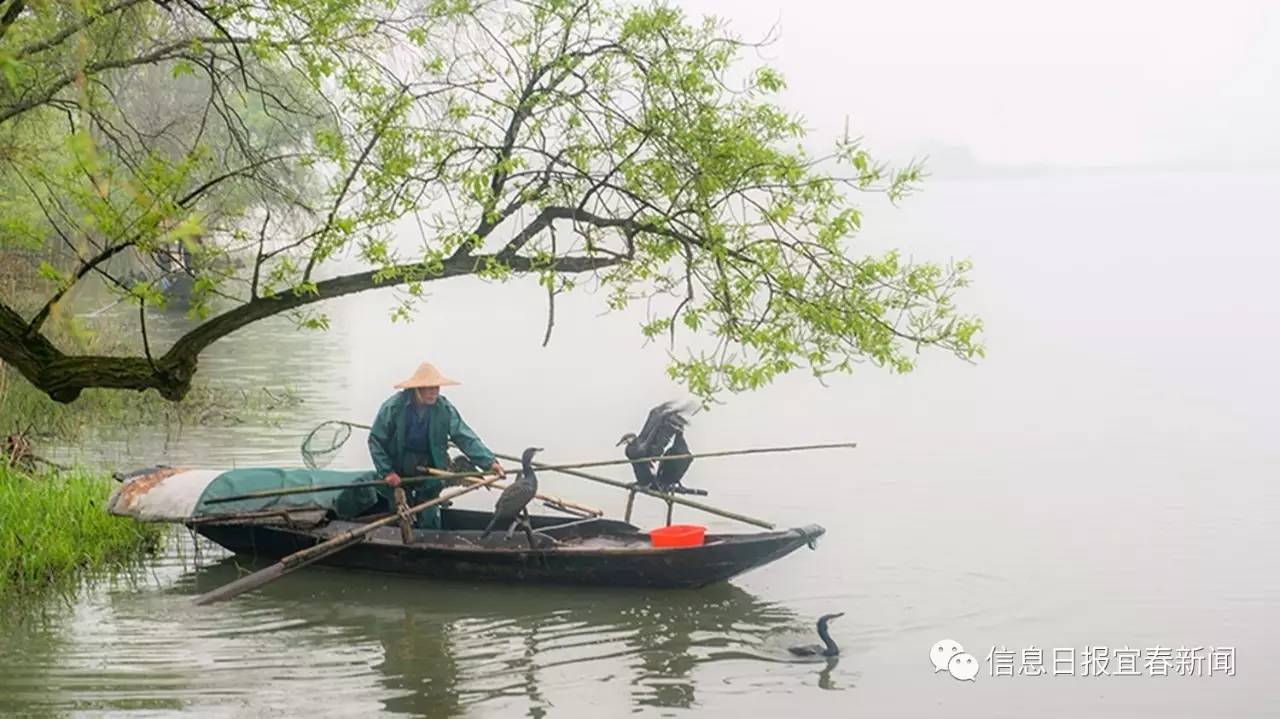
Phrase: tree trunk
(63, 376)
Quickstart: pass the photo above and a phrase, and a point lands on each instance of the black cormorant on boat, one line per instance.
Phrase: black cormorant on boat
(828, 647)
(664, 423)
(461, 464)
(513, 504)
(671, 471)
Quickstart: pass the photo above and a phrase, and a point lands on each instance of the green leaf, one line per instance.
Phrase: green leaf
(11, 68)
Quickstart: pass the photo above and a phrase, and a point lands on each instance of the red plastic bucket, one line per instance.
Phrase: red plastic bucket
(678, 535)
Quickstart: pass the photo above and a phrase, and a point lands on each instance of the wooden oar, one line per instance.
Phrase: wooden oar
(660, 495)
(555, 467)
(330, 546)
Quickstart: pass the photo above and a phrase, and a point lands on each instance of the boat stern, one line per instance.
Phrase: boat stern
(811, 533)
(160, 494)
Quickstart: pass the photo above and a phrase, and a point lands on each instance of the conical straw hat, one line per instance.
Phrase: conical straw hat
(426, 376)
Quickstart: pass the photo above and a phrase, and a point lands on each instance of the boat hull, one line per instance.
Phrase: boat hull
(601, 553)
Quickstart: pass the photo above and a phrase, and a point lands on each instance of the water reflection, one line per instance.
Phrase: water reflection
(450, 646)
(824, 677)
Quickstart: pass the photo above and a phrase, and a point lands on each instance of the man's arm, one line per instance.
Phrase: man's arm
(467, 441)
(380, 441)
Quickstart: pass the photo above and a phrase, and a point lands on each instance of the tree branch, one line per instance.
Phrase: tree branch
(383, 124)
(58, 38)
(238, 172)
(63, 377)
(551, 294)
(164, 52)
(235, 47)
(142, 323)
(11, 14)
(257, 262)
(85, 269)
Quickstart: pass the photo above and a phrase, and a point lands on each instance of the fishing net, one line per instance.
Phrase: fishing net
(323, 443)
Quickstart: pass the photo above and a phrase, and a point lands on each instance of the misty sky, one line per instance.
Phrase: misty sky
(1086, 82)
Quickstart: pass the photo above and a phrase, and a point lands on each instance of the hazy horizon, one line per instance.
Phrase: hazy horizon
(1093, 84)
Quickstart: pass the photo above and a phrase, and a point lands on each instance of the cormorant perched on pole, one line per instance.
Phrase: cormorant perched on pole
(671, 471)
(664, 422)
(512, 504)
(828, 647)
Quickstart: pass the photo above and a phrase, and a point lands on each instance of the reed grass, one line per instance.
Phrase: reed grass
(54, 528)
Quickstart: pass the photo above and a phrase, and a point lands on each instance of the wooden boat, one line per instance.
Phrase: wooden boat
(567, 550)
(599, 551)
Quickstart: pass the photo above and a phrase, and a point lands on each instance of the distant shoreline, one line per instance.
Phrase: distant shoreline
(1001, 172)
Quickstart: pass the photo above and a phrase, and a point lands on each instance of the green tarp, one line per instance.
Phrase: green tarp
(345, 503)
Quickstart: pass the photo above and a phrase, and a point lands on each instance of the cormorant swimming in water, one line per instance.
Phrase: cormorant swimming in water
(513, 502)
(828, 647)
(664, 422)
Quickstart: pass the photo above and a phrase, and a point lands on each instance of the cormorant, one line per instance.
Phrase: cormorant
(513, 502)
(671, 471)
(828, 647)
(461, 464)
(664, 422)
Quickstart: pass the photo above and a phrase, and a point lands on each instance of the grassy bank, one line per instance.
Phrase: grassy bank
(53, 526)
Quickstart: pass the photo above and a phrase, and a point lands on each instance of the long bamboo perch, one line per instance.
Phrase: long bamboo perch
(435, 474)
(555, 467)
(335, 544)
(660, 495)
(593, 511)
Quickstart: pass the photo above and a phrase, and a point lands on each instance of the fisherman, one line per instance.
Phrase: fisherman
(412, 431)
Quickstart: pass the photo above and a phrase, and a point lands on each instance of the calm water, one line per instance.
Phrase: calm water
(1107, 478)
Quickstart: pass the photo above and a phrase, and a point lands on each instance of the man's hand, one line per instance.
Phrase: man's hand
(497, 469)
(393, 479)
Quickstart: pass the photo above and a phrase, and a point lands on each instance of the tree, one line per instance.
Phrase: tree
(578, 141)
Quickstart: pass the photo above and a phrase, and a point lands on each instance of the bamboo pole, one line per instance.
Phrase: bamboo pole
(660, 495)
(436, 474)
(556, 467)
(631, 503)
(551, 500)
(571, 510)
(335, 544)
(285, 514)
(696, 455)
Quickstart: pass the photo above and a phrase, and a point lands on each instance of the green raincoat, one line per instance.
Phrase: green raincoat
(393, 449)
